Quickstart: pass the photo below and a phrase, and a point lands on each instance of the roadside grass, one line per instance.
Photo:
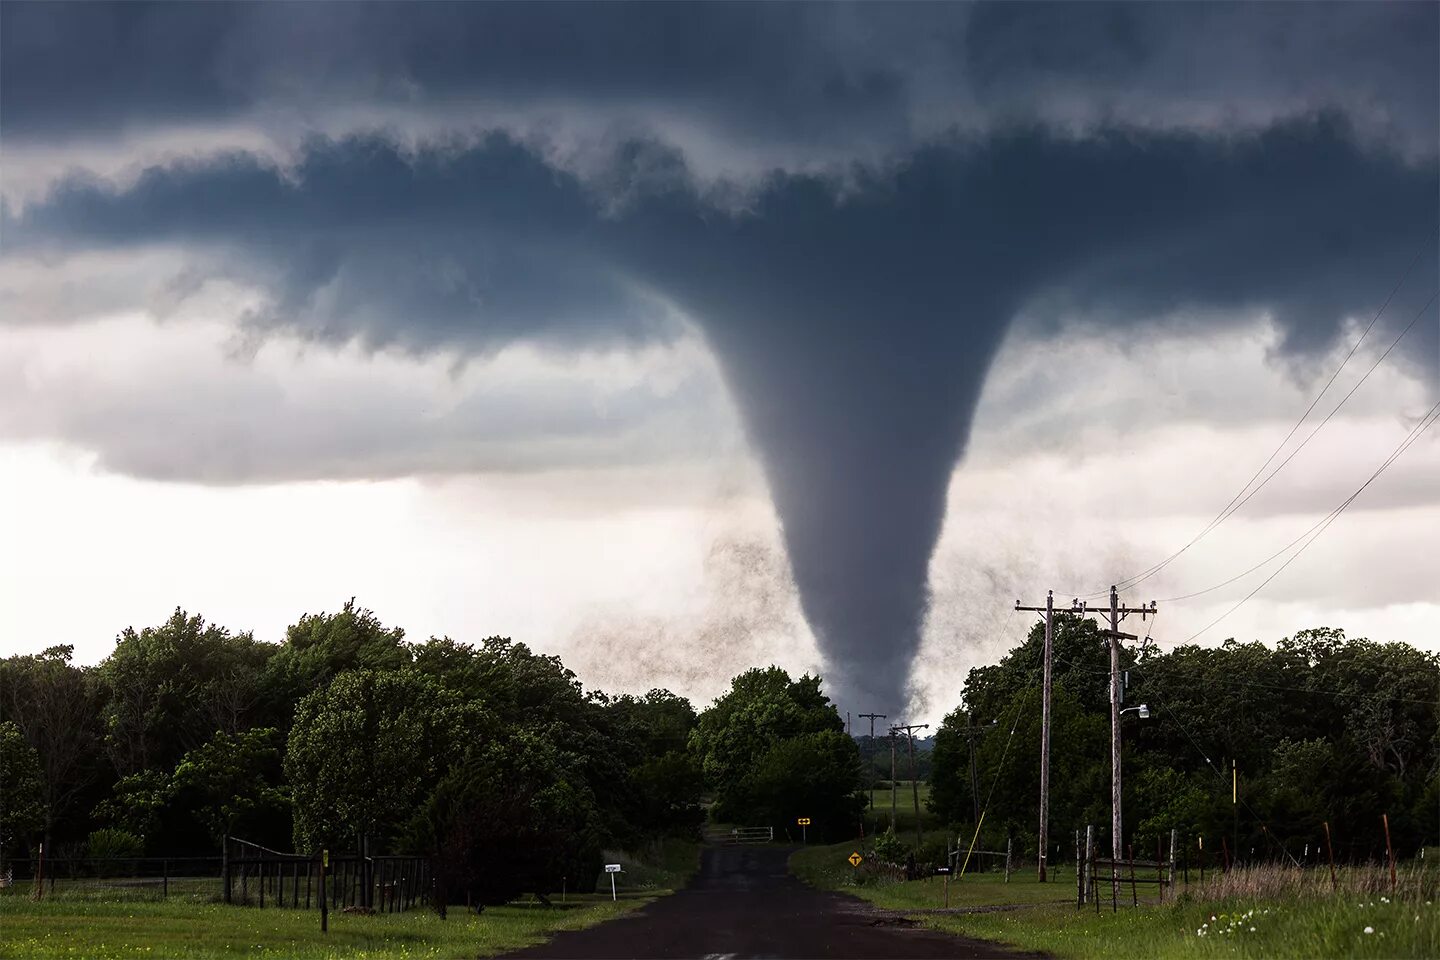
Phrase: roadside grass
(121, 931)
(196, 928)
(1267, 912)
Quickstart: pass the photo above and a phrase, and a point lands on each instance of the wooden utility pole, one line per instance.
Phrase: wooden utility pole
(974, 779)
(1117, 612)
(910, 729)
(1044, 838)
(872, 717)
(892, 779)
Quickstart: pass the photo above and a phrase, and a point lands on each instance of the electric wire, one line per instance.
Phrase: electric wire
(1425, 424)
(1336, 511)
(1227, 509)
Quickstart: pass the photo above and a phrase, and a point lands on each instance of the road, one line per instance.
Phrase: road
(744, 903)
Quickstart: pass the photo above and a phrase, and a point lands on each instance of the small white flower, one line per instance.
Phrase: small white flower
(1252, 929)
(1369, 929)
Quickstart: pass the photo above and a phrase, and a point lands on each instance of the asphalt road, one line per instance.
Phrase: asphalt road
(744, 903)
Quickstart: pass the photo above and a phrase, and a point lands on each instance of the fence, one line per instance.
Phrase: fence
(1096, 870)
(260, 877)
(114, 878)
(741, 835)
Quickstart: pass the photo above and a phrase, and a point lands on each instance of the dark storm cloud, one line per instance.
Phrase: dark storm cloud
(793, 73)
(854, 313)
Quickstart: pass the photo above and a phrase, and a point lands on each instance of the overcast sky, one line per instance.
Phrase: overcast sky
(677, 339)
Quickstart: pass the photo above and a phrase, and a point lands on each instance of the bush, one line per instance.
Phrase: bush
(113, 844)
(889, 848)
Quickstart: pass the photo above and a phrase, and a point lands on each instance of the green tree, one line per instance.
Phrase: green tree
(815, 775)
(51, 702)
(138, 803)
(224, 782)
(365, 750)
(762, 709)
(518, 815)
(320, 646)
(22, 803)
(166, 689)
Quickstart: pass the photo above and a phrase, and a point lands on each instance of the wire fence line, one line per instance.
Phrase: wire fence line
(250, 875)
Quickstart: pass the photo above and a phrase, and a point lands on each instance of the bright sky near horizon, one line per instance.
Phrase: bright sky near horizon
(652, 335)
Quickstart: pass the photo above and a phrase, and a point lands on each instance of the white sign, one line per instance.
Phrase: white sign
(612, 868)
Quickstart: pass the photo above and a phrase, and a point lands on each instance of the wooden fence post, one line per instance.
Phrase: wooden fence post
(324, 903)
(1330, 855)
(1079, 874)
(1171, 878)
(1389, 850)
(1009, 846)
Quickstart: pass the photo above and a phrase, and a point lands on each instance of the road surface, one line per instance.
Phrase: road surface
(744, 903)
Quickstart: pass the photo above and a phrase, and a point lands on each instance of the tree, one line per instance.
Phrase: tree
(50, 702)
(166, 689)
(225, 780)
(815, 775)
(762, 709)
(22, 803)
(320, 646)
(518, 815)
(138, 804)
(365, 750)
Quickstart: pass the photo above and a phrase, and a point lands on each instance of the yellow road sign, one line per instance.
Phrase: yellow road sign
(855, 859)
(803, 821)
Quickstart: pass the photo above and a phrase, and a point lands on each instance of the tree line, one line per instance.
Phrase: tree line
(1321, 729)
(345, 736)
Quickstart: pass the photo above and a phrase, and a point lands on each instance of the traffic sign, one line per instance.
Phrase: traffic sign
(612, 869)
(803, 821)
(855, 859)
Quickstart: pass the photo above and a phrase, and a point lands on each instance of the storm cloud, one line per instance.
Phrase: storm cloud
(854, 206)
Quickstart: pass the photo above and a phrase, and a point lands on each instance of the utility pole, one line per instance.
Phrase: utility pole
(1117, 847)
(910, 729)
(872, 717)
(1044, 839)
(892, 779)
(970, 731)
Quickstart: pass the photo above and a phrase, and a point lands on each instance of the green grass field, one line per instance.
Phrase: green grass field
(180, 927)
(904, 807)
(193, 931)
(1260, 923)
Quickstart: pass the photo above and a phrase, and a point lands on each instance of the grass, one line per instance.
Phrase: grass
(904, 807)
(1266, 912)
(193, 928)
(111, 931)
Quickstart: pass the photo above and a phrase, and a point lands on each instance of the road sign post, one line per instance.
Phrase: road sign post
(855, 859)
(804, 822)
(612, 869)
(324, 904)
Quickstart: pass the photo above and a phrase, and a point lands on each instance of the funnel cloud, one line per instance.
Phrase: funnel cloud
(855, 211)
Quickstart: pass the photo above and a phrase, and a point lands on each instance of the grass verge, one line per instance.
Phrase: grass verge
(1244, 920)
(180, 928)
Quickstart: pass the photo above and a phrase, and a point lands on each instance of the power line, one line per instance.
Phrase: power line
(1425, 424)
(1336, 511)
(1233, 506)
(1219, 518)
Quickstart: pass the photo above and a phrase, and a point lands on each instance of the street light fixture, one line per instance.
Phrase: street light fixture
(1142, 711)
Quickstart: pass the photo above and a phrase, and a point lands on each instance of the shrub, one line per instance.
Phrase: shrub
(113, 844)
(889, 848)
